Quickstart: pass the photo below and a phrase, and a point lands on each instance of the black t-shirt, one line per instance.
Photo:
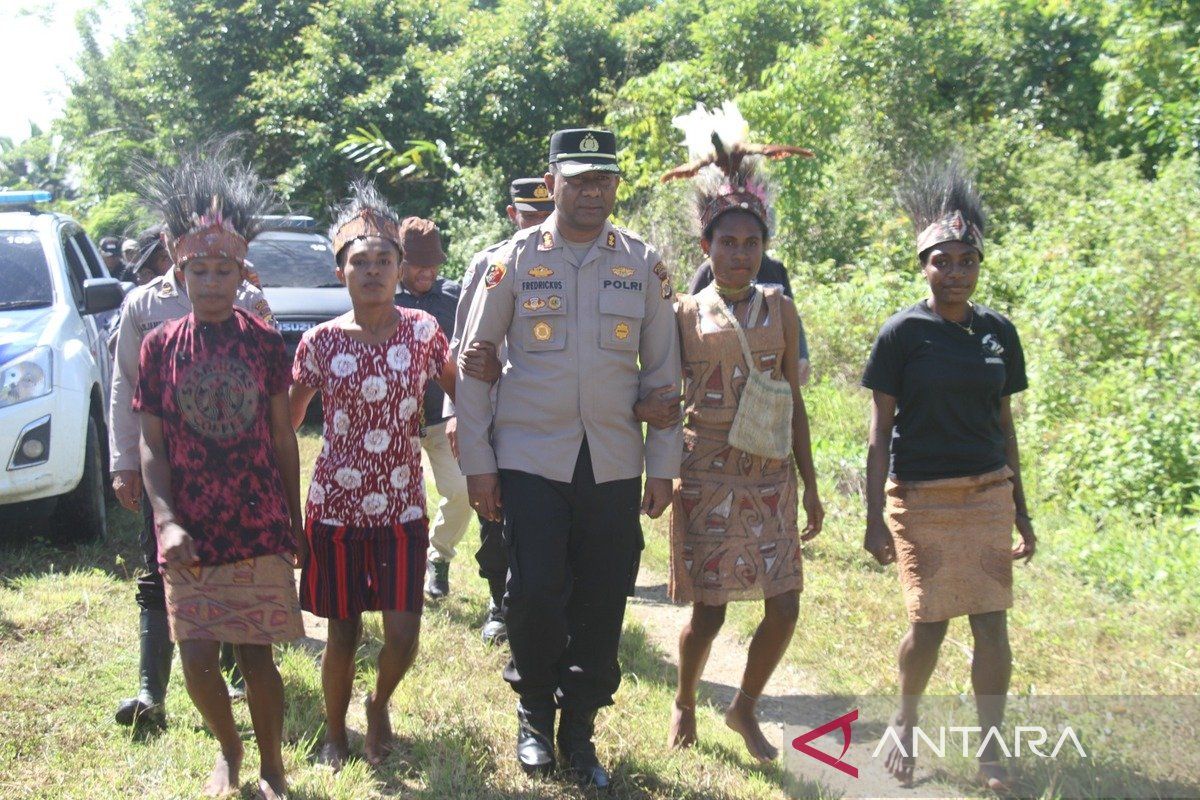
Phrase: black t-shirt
(948, 385)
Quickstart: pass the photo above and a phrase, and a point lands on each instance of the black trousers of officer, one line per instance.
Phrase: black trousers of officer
(150, 594)
(573, 555)
(492, 559)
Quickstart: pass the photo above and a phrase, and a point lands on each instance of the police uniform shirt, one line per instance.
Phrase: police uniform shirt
(145, 308)
(584, 344)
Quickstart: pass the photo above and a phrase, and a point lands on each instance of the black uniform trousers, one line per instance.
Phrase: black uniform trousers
(150, 594)
(573, 555)
(492, 559)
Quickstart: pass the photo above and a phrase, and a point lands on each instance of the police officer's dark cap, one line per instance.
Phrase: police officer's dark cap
(578, 150)
(530, 194)
(110, 246)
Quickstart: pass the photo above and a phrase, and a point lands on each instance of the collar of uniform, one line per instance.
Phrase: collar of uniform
(549, 238)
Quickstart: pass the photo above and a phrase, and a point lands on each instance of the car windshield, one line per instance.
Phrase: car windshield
(282, 258)
(24, 273)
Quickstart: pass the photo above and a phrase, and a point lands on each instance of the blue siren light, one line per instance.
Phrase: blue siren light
(14, 198)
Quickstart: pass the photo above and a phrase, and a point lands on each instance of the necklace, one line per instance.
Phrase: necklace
(734, 295)
(970, 326)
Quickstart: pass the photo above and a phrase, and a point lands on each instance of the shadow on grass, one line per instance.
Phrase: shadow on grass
(29, 547)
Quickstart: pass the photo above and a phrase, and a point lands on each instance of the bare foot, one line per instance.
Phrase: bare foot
(333, 755)
(683, 727)
(223, 780)
(272, 787)
(740, 718)
(994, 776)
(897, 761)
(379, 733)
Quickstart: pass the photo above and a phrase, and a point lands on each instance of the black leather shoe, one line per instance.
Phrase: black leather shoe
(495, 631)
(577, 751)
(535, 731)
(437, 579)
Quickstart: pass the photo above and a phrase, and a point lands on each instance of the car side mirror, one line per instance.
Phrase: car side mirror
(102, 294)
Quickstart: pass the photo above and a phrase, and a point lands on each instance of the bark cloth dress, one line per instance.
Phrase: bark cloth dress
(734, 527)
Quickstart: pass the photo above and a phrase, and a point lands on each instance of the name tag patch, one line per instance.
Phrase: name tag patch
(534, 286)
(635, 286)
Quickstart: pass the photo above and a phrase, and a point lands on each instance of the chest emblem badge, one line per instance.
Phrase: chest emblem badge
(533, 304)
(554, 302)
(541, 271)
(542, 331)
(623, 272)
(621, 331)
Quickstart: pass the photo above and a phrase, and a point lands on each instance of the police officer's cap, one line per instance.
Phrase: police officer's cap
(530, 194)
(578, 150)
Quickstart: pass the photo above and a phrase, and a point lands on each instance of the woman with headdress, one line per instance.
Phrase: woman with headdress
(220, 461)
(734, 528)
(941, 374)
(367, 528)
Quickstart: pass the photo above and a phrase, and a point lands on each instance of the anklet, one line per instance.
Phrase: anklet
(749, 697)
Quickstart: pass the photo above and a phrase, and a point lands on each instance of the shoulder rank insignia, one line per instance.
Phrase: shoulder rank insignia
(166, 290)
(623, 272)
(541, 271)
(542, 331)
(547, 242)
(612, 239)
(533, 304)
(495, 274)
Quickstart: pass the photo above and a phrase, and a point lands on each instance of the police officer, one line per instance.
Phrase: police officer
(529, 205)
(586, 310)
(145, 308)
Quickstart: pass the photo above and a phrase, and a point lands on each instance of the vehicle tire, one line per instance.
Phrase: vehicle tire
(82, 514)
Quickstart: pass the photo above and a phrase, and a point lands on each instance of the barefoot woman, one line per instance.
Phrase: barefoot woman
(942, 373)
(734, 531)
(366, 523)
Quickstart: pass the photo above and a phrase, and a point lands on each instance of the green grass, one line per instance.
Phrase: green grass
(68, 652)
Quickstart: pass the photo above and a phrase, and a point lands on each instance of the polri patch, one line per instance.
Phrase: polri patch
(495, 274)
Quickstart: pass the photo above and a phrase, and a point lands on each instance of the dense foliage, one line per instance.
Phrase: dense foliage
(1082, 119)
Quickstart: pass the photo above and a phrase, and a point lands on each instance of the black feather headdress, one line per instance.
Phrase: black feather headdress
(941, 200)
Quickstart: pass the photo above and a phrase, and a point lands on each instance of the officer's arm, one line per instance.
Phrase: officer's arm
(659, 355)
(124, 428)
(488, 320)
(461, 310)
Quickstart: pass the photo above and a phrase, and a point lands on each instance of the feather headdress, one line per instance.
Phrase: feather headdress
(365, 213)
(725, 164)
(211, 202)
(941, 200)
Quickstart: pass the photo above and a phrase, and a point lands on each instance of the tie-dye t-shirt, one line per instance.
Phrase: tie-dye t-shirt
(212, 383)
(368, 474)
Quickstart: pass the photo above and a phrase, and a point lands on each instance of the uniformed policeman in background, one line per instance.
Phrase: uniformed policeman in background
(529, 205)
(586, 311)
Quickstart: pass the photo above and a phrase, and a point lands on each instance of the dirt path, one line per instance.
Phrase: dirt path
(793, 699)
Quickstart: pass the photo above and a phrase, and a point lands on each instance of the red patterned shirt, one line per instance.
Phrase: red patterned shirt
(369, 472)
(212, 383)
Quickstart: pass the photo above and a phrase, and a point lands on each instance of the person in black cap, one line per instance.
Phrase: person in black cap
(585, 309)
(110, 249)
(530, 205)
(152, 259)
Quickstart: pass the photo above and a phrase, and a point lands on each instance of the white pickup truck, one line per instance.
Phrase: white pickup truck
(56, 301)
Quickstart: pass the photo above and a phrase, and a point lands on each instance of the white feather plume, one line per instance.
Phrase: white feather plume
(699, 124)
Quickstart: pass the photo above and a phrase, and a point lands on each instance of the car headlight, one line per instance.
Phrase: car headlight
(27, 376)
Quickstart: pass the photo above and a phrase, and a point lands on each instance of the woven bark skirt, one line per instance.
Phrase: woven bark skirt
(247, 602)
(953, 540)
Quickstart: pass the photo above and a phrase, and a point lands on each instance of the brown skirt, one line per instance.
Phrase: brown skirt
(247, 602)
(953, 540)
